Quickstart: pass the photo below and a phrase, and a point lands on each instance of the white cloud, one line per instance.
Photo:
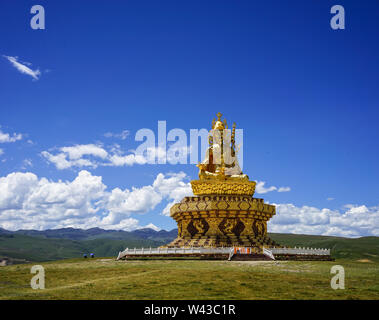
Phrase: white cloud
(61, 162)
(35, 74)
(1, 152)
(27, 163)
(174, 188)
(151, 226)
(122, 135)
(129, 160)
(260, 188)
(353, 221)
(29, 202)
(92, 156)
(330, 199)
(73, 156)
(6, 137)
(78, 151)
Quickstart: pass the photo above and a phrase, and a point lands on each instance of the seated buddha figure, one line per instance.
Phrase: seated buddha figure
(220, 159)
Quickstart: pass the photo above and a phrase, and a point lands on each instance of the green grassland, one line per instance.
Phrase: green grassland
(107, 278)
(190, 279)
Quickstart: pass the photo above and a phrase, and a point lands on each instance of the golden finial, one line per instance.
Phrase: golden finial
(219, 124)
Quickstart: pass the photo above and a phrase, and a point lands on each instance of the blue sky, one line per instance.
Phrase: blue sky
(305, 95)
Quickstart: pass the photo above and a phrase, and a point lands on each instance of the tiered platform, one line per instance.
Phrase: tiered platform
(222, 221)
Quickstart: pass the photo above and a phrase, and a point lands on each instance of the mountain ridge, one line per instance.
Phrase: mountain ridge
(93, 233)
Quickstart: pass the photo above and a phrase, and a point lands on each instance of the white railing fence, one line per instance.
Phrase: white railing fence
(270, 252)
(163, 251)
(300, 251)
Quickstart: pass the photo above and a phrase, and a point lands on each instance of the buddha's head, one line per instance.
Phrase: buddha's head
(219, 125)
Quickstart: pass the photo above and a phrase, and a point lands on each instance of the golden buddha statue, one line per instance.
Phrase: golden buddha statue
(221, 157)
(220, 173)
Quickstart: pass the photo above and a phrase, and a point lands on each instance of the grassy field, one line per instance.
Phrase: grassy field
(190, 279)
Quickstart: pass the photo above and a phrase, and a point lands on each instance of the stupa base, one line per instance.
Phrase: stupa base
(222, 221)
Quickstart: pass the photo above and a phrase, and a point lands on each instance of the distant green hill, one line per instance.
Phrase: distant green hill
(37, 248)
(65, 243)
(97, 233)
